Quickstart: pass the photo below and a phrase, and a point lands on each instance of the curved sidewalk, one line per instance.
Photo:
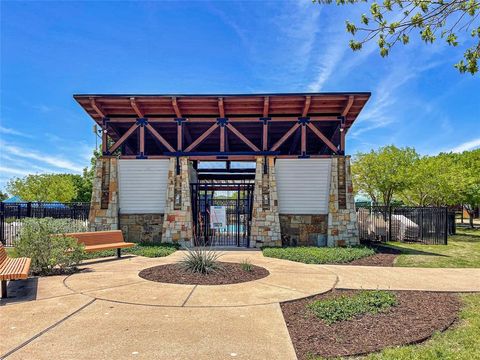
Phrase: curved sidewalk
(106, 311)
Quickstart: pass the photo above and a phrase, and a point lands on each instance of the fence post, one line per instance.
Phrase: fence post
(29, 209)
(446, 225)
(2, 223)
(389, 223)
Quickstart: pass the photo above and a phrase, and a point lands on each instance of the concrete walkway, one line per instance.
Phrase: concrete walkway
(107, 311)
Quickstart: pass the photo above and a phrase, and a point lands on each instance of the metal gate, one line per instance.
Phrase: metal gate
(237, 198)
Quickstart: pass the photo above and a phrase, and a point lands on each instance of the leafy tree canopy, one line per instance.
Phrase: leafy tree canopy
(43, 187)
(392, 22)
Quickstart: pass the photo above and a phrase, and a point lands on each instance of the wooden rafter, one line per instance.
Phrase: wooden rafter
(221, 109)
(322, 137)
(350, 101)
(242, 137)
(159, 137)
(202, 137)
(285, 137)
(136, 108)
(122, 139)
(97, 107)
(176, 108)
(266, 103)
(306, 106)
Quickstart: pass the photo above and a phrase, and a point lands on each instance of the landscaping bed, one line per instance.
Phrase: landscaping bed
(319, 255)
(414, 318)
(228, 273)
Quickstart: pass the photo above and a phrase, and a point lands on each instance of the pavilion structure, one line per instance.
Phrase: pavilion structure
(172, 134)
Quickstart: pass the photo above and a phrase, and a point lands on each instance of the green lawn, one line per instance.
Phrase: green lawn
(462, 251)
(316, 255)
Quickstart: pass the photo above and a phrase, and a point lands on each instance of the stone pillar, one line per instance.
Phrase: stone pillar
(104, 204)
(342, 218)
(178, 221)
(265, 226)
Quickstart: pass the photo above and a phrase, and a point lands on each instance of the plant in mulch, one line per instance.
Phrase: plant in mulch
(347, 307)
(246, 265)
(201, 260)
(319, 255)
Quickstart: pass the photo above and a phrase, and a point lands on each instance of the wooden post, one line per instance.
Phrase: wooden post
(304, 140)
(222, 138)
(179, 134)
(104, 137)
(141, 149)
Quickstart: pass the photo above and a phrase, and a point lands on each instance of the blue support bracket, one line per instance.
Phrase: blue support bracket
(342, 120)
(265, 120)
(105, 121)
(141, 156)
(303, 120)
(142, 121)
(179, 121)
(222, 121)
(303, 156)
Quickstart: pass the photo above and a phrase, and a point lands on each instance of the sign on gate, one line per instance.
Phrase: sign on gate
(218, 217)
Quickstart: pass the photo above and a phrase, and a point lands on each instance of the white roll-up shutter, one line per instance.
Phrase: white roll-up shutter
(142, 186)
(303, 185)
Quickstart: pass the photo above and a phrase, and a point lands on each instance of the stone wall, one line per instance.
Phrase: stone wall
(265, 226)
(141, 227)
(178, 222)
(342, 218)
(303, 230)
(104, 204)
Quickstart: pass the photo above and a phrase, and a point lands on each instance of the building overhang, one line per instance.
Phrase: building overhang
(232, 126)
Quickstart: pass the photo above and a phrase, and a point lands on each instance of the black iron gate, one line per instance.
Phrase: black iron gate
(237, 198)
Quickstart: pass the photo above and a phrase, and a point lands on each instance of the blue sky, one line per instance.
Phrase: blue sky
(51, 50)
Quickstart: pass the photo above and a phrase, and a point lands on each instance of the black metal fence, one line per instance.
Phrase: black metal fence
(426, 225)
(12, 215)
(237, 199)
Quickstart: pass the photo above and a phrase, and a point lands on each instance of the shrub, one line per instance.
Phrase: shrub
(246, 265)
(347, 307)
(201, 260)
(50, 254)
(319, 255)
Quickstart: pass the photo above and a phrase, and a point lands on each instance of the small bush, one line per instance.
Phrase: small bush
(201, 260)
(50, 254)
(142, 249)
(246, 265)
(347, 307)
(319, 255)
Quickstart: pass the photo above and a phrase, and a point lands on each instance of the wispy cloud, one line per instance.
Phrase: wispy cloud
(56, 161)
(14, 171)
(468, 145)
(9, 131)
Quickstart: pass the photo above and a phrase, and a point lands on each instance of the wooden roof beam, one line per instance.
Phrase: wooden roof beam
(350, 101)
(221, 109)
(266, 105)
(176, 108)
(242, 137)
(306, 106)
(136, 108)
(97, 107)
(285, 137)
(322, 137)
(160, 137)
(123, 138)
(201, 137)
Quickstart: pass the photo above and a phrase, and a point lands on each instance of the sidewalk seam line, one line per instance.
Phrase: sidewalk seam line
(188, 297)
(25, 343)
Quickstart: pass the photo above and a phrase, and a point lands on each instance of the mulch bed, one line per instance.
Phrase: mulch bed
(384, 256)
(415, 318)
(230, 273)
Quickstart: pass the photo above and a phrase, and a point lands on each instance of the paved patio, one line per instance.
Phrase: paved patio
(107, 311)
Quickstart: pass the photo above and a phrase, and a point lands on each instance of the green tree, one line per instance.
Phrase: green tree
(392, 22)
(383, 173)
(43, 187)
(3, 196)
(434, 180)
(470, 161)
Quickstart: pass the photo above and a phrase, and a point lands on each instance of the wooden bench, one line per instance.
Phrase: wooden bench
(12, 269)
(102, 240)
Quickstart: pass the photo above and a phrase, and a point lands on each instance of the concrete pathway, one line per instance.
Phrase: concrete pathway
(107, 311)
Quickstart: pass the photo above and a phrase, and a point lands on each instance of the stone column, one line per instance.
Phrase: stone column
(265, 226)
(178, 221)
(104, 204)
(342, 218)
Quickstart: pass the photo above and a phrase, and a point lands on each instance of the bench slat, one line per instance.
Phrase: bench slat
(16, 268)
(91, 248)
(98, 237)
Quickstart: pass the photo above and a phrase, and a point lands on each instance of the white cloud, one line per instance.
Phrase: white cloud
(56, 161)
(9, 131)
(327, 65)
(468, 145)
(14, 171)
